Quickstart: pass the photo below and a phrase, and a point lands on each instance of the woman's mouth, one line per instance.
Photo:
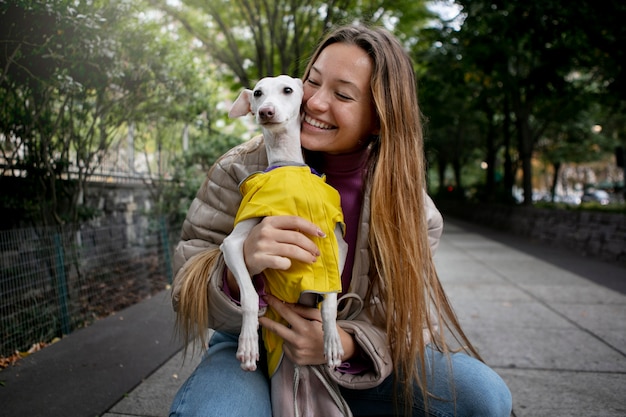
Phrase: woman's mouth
(316, 123)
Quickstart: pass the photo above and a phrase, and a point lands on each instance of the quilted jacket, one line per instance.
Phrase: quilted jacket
(210, 219)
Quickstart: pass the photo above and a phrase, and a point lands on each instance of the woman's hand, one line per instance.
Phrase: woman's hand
(304, 337)
(276, 240)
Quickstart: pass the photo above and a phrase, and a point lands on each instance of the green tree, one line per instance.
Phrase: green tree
(575, 142)
(454, 126)
(187, 175)
(257, 39)
(534, 50)
(174, 103)
(74, 77)
(56, 103)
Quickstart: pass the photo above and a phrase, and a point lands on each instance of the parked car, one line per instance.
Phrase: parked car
(596, 196)
(567, 199)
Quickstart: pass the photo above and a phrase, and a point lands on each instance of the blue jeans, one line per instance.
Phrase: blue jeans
(219, 387)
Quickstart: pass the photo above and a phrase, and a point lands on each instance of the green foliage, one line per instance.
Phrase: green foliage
(189, 173)
(520, 79)
(257, 39)
(73, 77)
(517, 80)
(54, 104)
(576, 141)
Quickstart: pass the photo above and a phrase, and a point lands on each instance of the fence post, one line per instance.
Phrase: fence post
(165, 241)
(62, 284)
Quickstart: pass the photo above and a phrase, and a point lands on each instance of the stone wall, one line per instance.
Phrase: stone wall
(117, 203)
(120, 204)
(593, 234)
(123, 207)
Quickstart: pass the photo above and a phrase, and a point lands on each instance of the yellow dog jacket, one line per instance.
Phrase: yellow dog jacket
(295, 190)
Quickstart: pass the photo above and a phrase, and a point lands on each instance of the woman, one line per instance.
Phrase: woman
(361, 127)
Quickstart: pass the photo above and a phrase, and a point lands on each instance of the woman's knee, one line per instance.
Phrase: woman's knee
(479, 390)
(218, 384)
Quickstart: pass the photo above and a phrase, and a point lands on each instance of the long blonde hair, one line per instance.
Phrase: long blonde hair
(402, 269)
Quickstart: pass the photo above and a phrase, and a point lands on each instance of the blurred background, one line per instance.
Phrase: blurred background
(112, 112)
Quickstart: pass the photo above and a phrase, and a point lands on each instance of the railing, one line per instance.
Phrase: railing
(54, 280)
(99, 175)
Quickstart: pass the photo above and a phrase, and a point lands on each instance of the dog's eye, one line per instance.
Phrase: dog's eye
(258, 93)
(288, 90)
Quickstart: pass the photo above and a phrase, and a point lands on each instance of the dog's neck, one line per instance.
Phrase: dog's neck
(283, 147)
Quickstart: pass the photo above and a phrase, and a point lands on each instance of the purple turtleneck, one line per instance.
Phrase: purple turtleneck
(345, 173)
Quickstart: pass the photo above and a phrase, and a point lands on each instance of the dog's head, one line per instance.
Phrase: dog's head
(273, 102)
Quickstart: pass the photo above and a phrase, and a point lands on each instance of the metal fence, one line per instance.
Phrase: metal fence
(54, 280)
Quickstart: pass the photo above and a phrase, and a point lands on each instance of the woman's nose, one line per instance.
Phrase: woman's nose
(317, 100)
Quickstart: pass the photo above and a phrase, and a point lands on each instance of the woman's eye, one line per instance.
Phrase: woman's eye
(344, 96)
(312, 82)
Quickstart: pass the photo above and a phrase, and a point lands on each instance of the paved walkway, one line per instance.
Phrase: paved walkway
(89, 371)
(551, 323)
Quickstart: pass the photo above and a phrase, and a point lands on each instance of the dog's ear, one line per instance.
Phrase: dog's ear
(241, 106)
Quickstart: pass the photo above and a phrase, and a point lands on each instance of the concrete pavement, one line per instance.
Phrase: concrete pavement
(87, 372)
(551, 323)
(556, 336)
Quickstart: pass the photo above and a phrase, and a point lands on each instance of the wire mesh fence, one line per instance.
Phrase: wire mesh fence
(54, 280)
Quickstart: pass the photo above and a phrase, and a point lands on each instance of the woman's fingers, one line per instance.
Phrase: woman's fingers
(277, 240)
(297, 315)
(294, 223)
(303, 336)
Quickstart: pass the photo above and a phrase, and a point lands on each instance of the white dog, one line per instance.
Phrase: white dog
(288, 187)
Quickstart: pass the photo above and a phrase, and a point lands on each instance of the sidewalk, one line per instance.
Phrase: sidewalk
(537, 314)
(557, 338)
(87, 372)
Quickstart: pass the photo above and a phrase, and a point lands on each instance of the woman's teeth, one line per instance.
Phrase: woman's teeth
(316, 123)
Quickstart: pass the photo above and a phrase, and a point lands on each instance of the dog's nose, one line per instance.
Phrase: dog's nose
(266, 113)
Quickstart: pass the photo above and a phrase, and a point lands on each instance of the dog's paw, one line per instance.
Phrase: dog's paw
(248, 359)
(248, 366)
(248, 353)
(333, 350)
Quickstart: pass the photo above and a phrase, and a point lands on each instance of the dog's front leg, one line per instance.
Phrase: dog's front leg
(232, 248)
(332, 341)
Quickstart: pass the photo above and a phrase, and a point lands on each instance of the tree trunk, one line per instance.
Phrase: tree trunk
(441, 168)
(509, 175)
(456, 167)
(555, 180)
(525, 147)
(525, 151)
(491, 158)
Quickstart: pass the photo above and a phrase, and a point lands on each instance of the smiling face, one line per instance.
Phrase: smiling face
(339, 113)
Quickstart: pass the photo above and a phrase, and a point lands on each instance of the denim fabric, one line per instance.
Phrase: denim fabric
(460, 386)
(219, 387)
